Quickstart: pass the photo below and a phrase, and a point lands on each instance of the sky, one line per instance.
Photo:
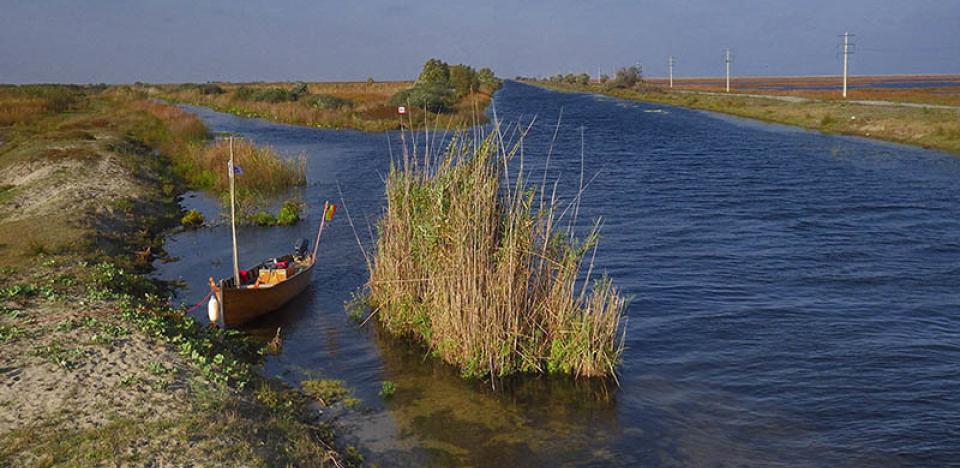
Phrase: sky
(122, 41)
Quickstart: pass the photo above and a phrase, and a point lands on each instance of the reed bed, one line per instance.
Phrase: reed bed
(488, 273)
(264, 171)
(367, 108)
(183, 137)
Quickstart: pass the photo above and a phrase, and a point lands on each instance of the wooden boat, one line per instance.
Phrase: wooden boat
(250, 301)
(237, 300)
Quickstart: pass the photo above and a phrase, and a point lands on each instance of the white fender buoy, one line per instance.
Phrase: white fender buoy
(213, 309)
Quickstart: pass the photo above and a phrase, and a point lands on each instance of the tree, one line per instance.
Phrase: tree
(583, 79)
(435, 72)
(299, 90)
(488, 79)
(464, 80)
(627, 77)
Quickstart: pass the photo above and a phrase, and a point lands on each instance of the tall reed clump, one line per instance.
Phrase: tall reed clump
(183, 137)
(264, 171)
(485, 274)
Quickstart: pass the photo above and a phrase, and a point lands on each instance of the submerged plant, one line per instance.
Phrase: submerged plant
(484, 269)
(326, 391)
(192, 219)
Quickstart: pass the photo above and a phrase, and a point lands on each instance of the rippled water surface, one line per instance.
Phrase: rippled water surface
(796, 297)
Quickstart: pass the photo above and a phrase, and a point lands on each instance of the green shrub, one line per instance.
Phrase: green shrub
(432, 97)
(326, 101)
(262, 218)
(210, 88)
(299, 90)
(273, 95)
(244, 93)
(289, 213)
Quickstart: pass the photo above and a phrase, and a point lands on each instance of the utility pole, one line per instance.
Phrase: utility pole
(726, 61)
(846, 59)
(670, 63)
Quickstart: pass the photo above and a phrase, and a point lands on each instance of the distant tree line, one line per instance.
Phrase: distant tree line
(626, 77)
(440, 86)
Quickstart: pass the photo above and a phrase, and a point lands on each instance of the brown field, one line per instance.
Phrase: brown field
(870, 88)
(366, 107)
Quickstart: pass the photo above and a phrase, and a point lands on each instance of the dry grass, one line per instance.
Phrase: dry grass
(367, 109)
(864, 87)
(182, 136)
(485, 271)
(264, 171)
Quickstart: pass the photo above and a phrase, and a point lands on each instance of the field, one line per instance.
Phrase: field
(924, 89)
(899, 116)
(362, 106)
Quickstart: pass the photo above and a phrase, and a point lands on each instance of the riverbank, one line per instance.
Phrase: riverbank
(363, 106)
(927, 127)
(96, 366)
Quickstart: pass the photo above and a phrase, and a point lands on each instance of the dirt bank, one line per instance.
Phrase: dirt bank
(95, 367)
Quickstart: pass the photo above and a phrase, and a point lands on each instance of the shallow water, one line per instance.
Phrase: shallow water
(795, 297)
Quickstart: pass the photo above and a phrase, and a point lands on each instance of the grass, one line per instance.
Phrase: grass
(265, 173)
(486, 272)
(927, 128)
(344, 105)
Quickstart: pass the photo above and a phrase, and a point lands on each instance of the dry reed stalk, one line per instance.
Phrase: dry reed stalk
(472, 265)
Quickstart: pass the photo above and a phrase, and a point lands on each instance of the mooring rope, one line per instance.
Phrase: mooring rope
(195, 307)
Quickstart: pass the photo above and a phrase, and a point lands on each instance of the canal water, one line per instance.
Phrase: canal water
(795, 296)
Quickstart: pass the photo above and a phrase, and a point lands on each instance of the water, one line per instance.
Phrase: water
(795, 297)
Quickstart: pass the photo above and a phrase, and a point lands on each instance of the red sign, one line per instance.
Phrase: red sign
(401, 110)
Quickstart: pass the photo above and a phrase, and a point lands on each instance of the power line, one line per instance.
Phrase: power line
(670, 63)
(727, 60)
(846, 59)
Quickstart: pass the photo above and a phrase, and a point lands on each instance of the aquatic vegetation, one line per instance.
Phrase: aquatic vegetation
(289, 213)
(326, 391)
(262, 218)
(387, 389)
(264, 172)
(486, 272)
(192, 219)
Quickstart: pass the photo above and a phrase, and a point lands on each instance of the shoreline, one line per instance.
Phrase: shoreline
(110, 370)
(924, 126)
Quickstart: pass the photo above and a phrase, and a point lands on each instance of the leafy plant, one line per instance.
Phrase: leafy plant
(192, 219)
(289, 213)
(387, 389)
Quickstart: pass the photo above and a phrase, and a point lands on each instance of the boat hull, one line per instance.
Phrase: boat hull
(241, 305)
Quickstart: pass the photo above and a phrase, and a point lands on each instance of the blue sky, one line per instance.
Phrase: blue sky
(245, 40)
